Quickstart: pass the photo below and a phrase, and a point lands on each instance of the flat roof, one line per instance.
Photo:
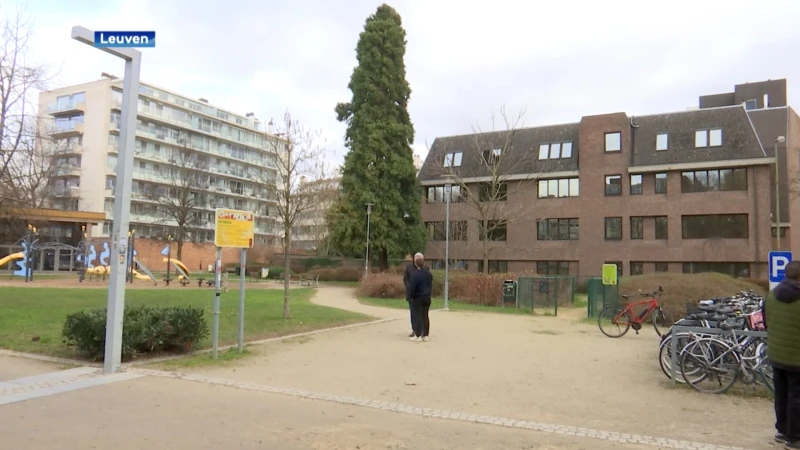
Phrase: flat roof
(56, 215)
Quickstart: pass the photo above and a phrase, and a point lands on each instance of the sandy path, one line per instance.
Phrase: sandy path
(342, 297)
(167, 414)
(534, 368)
(12, 367)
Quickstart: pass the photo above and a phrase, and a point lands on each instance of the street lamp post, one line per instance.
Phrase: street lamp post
(778, 140)
(448, 189)
(122, 204)
(366, 261)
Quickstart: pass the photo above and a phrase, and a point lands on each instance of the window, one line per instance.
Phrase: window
(714, 180)
(493, 192)
(661, 183)
(717, 226)
(453, 159)
(708, 138)
(613, 185)
(492, 156)
(613, 228)
(555, 150)
(557, 229)
(637, 227)
(750, 104)
(495, 230)
(662, 227)
(637, 268)
(564, 187)
(775, 231)
(619, 267)
(552, 268)
(662, 267)
(662, 141)
(436, 230)
(613, 141)
(734, 269)
(435, 194)
(637, 186)
(495, 266)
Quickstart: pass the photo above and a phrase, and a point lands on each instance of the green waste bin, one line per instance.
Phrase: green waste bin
(509, 292)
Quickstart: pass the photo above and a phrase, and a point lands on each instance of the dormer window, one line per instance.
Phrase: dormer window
(453, 159)
(614, 142)
(751, 104)
(493, 155)
(708, 138)
(556, 150)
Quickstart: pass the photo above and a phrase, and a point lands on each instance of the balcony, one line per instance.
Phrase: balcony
(67, 129)
(113, 148)
(65, 108)
(70, 192)
(67, 171)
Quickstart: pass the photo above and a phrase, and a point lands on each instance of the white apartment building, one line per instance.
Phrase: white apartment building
(232, 156)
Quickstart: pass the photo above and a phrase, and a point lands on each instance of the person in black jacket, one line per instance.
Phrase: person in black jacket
(420, 287)
(410, 269)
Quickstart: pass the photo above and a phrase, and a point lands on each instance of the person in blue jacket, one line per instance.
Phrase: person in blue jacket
(420, 287)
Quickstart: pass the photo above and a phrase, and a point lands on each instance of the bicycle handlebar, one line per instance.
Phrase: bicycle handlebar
(651, 294)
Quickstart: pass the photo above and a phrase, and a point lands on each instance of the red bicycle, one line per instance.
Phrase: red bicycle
(614, 320)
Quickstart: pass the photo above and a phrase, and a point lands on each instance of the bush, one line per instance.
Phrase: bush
(145, 329)
(323, 274)
(321, 262)
(763, 283)
(346, 274)
(382, 285)
(682, 289)
(276, 272)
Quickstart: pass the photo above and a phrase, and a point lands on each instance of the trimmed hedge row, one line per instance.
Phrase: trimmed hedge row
(145, 329)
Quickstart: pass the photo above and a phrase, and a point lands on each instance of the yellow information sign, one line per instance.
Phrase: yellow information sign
(610, 274)
(234, 228)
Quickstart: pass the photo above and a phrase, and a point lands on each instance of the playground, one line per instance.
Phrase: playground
(512, 374)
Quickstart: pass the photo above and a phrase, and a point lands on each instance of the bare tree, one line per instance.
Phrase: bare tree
(297, 154)
(180, 203)
(498, 167)
(20, 79)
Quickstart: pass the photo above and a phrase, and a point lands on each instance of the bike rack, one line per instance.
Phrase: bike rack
(700, 330)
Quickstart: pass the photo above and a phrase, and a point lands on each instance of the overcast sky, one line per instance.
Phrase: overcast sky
(558, 60)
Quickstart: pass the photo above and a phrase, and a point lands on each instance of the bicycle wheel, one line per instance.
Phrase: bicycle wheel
(614, 321)
(709, 365)
(665, 355)
(765, 377)
(661, 321)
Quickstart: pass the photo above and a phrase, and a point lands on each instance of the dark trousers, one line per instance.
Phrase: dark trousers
(787, 402)
(411, 313)
(419, 316)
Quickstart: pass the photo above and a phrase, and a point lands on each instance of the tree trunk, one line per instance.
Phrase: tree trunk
(179, 251)
(287, 277)
(383, 260)
(485, 244)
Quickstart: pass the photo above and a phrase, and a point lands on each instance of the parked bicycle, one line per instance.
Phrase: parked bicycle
(614, 321)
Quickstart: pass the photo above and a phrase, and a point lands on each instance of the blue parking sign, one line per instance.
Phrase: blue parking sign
(777, 266)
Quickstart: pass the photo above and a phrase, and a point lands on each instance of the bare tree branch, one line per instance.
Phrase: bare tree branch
(497, 168)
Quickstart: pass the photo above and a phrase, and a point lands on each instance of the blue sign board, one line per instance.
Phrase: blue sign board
(777, 266)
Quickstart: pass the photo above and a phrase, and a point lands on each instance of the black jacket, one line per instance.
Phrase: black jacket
(411, 269)
(420, 285)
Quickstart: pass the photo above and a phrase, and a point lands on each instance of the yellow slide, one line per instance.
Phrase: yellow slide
(182, 269)
(140, 276)
(11, 257)
(99, 270)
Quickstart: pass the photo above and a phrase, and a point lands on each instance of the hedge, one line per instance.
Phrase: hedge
(145, 329)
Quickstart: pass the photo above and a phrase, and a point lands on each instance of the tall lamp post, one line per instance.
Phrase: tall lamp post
(448, 193)
(122, 204)
(366, 261)
(778, 140)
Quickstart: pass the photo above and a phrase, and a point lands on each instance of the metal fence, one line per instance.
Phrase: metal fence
(599, 295)
(678, 329)
(545, 293)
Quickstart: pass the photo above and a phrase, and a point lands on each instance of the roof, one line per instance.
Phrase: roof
(55, 215)
(521, 145)
(739, 139)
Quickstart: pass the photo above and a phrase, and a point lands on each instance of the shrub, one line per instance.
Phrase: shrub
(297, 268)
(324, 274)
(276, 272)
(683, 289)
(346, 274)
(382, 285)
(145, 329)
(321, 262)
(763, 283)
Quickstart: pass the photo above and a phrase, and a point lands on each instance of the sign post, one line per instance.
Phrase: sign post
(777, 267)
(609, 274)
(232, 229)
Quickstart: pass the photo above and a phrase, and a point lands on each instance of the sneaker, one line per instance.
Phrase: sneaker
(424, 338)
(781, 438)
(415, 339)
(411, 334)
(791, 445)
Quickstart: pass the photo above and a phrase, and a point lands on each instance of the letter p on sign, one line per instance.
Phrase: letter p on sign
(777, 267)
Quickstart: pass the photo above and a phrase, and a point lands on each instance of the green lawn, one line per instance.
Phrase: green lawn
(26, 313)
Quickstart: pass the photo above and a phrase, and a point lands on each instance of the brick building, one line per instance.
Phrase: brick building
(686, 191)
